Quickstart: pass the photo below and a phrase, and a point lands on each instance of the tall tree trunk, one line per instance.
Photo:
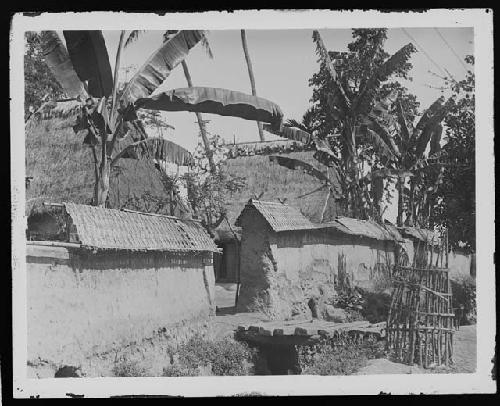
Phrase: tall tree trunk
(252, 78)
(104, 172)
(411, 211)
(400, 187)
(201, 124)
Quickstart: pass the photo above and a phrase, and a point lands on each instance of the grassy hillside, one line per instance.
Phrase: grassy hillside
(62, 168)
(277, 182)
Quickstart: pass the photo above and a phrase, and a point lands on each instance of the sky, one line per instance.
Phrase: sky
(283, 62)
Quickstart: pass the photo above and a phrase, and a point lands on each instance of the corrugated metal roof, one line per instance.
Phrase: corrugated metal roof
(280, 217)
(102, 228)
(421, 234)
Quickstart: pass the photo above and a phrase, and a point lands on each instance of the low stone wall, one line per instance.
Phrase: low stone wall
(83, 305)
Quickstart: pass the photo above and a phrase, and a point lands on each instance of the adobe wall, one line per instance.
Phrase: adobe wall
(256, 265)
(82, 305)
(459, 264)
(309, 260)
(287, 269)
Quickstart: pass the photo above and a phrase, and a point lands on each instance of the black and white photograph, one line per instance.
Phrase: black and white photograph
(252, 203)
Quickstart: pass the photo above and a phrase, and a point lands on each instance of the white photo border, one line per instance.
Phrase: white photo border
(481, 20)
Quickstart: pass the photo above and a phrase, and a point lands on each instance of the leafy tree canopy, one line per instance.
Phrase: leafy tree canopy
(40, 83)
(454, 203)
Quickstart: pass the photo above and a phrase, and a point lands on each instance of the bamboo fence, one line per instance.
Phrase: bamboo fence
(420, 324)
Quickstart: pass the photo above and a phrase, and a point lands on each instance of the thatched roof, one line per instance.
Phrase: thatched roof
(105, 229)
(62, 167)
(280, 217)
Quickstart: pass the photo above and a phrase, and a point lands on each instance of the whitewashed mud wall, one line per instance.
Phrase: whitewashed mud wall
(459, 264)
(83, 305)
(283, 271)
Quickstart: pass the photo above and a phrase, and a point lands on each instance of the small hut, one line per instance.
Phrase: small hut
(119, 277)
(287, 261)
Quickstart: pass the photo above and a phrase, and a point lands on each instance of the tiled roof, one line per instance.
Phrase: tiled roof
(370, 229)
(280, 217)
(102, 228)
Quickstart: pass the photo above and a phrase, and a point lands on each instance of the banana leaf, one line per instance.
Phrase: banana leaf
(381, 109)
(89, 56)
(429, 113)
(58, 60)
(215, 101)
(159, 65)
(436, 139)
(291, 133)
(403, 125)
(432, 127)
(339, 92)
(156, 148)
(297, 164)
(363, 102)
(380, 138)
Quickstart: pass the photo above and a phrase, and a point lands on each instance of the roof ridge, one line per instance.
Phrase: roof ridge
(267, 202)
(132, 211)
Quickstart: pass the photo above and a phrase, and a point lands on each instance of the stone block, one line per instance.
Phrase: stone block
(299, 331)
(336, 315)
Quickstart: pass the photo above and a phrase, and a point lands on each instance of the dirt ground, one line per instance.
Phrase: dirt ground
(464, 346)
(464, 358)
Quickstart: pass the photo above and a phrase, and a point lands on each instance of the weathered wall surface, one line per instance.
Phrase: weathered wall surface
(80, 305)
(257, 265)
(287, 269)
(459, 264)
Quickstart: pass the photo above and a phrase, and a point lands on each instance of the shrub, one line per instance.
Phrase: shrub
(340, 356)
(131, 368)
(464, 299)
(221, 357)
(376, 306)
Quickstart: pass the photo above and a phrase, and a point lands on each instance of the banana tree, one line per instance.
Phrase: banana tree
(81, 66)
(109, 118)
(413, 141)
(360, 117)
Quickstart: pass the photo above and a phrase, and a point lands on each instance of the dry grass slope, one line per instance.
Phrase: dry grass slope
(62, 168)
(276, 182)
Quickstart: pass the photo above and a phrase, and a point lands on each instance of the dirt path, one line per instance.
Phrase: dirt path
(464, 358)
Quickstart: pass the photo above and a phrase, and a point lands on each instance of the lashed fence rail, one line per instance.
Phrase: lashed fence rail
(420, 324)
